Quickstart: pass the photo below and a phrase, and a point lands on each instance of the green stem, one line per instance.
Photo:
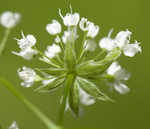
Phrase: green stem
(69, 81)
(100, 54)
(43, 55)
(81, 52)
(4, 40)
(29, 105)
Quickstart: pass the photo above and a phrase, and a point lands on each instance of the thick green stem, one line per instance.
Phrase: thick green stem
(29, 105)
(69, 81)
(4, 40)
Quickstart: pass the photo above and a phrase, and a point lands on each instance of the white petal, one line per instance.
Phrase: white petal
(107, 43)
(131, 49)
(85, 99)
(92, 30)
(53, 28)
(121, 88)
(113, 68)
(90, 45)
(13, 125)
(122, 38)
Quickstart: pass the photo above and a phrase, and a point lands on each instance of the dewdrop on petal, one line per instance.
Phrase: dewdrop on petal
(54, 27)
(9, 19)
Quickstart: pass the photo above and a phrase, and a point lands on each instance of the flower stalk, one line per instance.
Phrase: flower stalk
(69, 82)
(4, 40)
(29, 105)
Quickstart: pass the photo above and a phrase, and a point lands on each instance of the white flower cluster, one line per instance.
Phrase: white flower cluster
(64, 59)
(9, 19)
(122, 40)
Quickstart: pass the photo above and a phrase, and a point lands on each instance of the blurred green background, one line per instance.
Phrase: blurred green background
(131, 111)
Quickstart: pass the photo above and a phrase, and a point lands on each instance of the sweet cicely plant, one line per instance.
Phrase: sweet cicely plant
(70, 66)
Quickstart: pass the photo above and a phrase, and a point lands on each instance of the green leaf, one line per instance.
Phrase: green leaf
(53, 84)
(92, 89)
(70, 57)
(74, 99)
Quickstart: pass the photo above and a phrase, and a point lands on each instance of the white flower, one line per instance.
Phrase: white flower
(27, 53)
(54, 28)
(85, 98)
(123, 38)
(131, 49)
(118, 74)
(13, 125)
(107, 42)
(123, 41)
(9, 19)
(92, 30)
(28, 75)
(90, 45)
(26, 44)
(52, 50)
(70, 19)
(69, 35)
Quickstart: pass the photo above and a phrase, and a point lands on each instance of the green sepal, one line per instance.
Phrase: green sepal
(55, 83)
(52, 71)
(74, 99)
(92, 89)
(70, 57)
(96, 67)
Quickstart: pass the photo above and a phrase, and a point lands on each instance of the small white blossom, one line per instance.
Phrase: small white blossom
(107, 42)
(118, 74)
(13, 125)
(52, 50)
(9, 19)
(26, 41)
(92, 30)
(27, 53)
(131, 49)
(54, 28)
(123, 41)
(69, 35)
(28, 75)
(123, 38)
(85, 98)
(26, 44)
(70, 19)
(90, 45)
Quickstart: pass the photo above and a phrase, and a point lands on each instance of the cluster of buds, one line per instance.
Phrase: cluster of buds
(69, 63)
